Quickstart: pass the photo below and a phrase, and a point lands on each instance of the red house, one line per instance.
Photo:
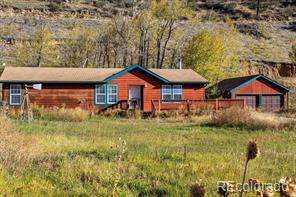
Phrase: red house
(98, 88)
(257, 90)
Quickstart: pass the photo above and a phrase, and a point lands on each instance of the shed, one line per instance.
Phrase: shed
(257, 90)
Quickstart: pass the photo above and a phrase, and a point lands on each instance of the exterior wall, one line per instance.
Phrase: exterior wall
(151, 88)
(261, 86)
(82, 95)
(68, 95)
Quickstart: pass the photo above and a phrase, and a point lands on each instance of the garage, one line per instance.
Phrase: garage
(251, 100)
(258, 91)
(271, 102)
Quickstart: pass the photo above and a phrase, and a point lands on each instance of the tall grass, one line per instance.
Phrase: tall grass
(251, 119)
(62, 114)
(158, 158)
(15, 148)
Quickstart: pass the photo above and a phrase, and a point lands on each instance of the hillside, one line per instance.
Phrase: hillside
(268, 39)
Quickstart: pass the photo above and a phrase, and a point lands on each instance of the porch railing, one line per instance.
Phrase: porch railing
(123, 105)
(215, 104)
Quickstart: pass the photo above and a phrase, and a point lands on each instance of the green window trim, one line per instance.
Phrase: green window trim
(106, 94)
(15, 94)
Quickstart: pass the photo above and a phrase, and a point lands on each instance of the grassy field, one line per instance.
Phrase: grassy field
(120, 157)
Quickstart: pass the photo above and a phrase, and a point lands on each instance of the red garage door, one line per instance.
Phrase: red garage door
(271, 102)
(251, 100)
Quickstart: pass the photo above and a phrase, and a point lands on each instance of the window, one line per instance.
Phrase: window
(15, 94)
(166, 93)
(177, 92)
(171, 92)
(112, 93)
(100, 94)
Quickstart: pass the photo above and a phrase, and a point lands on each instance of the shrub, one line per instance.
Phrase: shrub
(233, 116)
(62, 114)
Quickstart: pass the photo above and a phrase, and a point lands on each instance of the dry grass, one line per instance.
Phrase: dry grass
(118, 113)
(62, 114)
(15, 148)
(252, 119)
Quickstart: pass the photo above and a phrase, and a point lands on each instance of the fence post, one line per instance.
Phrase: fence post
(217, 104)
(159, 103)
(188, 106)
(245, 103)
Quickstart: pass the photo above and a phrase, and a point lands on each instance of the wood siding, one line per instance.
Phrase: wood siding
(261, 87)
(151, 88)
(82, 95)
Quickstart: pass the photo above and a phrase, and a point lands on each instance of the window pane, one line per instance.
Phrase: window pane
(15, 89)
(177, 89)
(178, 97)
(112, 89)
(166, 89)
(112, 98)
(100, 98)
(15, 99)
(166, 97)
(101, 89)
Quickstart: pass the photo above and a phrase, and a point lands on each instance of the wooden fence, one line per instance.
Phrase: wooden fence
(215, 104)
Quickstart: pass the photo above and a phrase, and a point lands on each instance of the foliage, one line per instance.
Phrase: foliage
(214, 55)
(40, 51)
(79, 50)
(167, 13)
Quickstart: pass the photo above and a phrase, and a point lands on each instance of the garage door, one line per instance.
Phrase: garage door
(272, 102)
(251, 100)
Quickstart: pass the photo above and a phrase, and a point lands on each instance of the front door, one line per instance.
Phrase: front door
(135, 94)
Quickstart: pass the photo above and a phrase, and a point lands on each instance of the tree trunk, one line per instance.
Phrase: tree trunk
(258, 9)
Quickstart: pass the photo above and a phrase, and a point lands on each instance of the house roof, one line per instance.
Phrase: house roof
(93, 75)
(232, 84)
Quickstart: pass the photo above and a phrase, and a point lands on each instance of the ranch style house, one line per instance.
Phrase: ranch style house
(100, 88)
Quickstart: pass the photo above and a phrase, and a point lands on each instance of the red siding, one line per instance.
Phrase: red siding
(82, 95)
(261, 86)
(68, 95)
(152, 88)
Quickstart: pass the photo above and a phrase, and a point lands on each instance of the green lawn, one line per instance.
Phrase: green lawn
(160, 157)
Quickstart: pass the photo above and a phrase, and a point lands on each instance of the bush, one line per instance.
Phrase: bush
(233, 116)
(62, 114)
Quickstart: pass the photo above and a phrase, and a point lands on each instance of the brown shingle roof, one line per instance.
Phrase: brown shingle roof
(179, 75)
(84, 75)
(228, 84)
